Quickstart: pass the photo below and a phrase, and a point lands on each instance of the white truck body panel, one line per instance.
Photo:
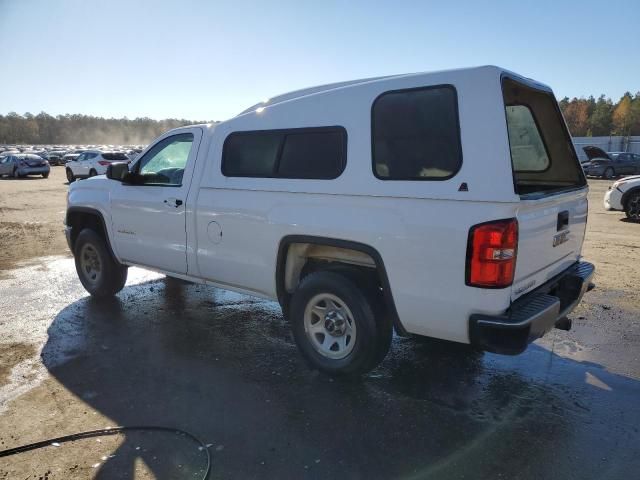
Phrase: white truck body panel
(228, 230)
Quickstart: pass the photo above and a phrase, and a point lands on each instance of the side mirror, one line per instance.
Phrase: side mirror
(118, 171)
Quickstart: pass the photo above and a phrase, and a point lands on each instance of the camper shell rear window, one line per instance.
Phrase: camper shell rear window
(542, 155)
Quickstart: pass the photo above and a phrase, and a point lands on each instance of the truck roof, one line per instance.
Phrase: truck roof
(297, 94)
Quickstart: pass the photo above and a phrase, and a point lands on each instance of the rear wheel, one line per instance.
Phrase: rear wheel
(70, 177)
(101, 275)
(609, 173)
(339, 328)
(632, 208)
(92, 173)
(16, 174)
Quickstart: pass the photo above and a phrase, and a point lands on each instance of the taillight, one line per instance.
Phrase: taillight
(491, 254)
(104, 163)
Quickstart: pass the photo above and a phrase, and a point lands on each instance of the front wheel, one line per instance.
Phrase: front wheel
(16, 174)
(632, 208)
(339, 328)
(45, 175)
(92, 173)
(70, 177)
(101, 275)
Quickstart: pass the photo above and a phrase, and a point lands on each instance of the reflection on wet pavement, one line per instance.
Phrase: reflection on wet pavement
(225, 367)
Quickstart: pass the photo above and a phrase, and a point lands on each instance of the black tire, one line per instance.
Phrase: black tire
(374, 329)
(110, 276)
(70, 177)
(16, 174)
(609, 173)
(632, 207)
(92, 173)
(45, 175)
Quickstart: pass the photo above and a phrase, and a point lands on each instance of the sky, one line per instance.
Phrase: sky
(209, 60)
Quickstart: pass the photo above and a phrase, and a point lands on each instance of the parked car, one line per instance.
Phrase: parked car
(449, 205)
(21, 165)
(92, 163)
(70, 157)
(610, 164)
(624, 195)
(57, 157)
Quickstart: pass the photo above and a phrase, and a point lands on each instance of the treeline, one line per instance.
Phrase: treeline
(45, 129)
(585, 117)
(588, 117)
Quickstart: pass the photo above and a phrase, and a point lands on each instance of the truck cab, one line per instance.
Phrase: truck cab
(447, 204)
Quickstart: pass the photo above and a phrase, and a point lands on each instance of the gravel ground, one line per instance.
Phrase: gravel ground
(224, 367)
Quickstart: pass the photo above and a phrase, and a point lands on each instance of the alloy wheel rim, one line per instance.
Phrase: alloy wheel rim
(330, 326)
(90, 263)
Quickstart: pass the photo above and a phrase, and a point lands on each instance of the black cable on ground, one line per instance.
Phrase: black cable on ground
(109, 431)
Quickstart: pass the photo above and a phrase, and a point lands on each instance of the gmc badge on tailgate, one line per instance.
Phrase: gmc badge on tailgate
(560, 238)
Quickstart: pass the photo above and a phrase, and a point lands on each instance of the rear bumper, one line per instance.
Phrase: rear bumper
(33, 170)
(533, 315)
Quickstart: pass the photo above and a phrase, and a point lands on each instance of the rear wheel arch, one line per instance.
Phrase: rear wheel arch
(284, 295)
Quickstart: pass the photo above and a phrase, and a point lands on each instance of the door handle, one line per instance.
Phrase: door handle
(175, 202)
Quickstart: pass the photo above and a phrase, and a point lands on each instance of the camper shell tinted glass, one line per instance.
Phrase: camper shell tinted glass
(318, 153)
(542, 154)
(415, 134)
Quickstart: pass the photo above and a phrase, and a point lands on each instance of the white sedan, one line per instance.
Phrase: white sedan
(624, 195)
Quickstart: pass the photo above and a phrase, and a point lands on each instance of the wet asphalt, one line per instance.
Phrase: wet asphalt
(224, 367)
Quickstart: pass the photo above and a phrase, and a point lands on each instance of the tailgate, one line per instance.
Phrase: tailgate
(550, 235)
(552, 211)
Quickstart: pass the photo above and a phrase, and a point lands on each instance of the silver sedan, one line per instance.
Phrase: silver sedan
(21, 165)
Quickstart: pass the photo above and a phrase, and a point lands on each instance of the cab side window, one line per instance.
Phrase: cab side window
(316, 153)
(165, 162)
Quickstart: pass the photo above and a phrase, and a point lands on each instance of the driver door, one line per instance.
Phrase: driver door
(628, 168)
(149, 217)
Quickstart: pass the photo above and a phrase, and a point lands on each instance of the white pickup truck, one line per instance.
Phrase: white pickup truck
(448, 204)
